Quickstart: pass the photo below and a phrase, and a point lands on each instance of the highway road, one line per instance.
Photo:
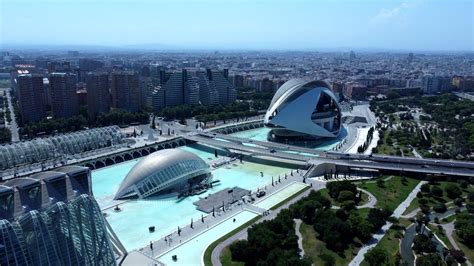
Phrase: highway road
(391, 163)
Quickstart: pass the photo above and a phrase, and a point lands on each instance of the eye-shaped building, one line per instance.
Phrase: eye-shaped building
(164, 172)
(304, 110)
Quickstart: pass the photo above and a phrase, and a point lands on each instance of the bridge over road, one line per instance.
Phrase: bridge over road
(352, 161)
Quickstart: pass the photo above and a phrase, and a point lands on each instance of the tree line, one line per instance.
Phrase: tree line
(275, 243)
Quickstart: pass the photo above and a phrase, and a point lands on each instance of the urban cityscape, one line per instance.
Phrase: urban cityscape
(186, 144)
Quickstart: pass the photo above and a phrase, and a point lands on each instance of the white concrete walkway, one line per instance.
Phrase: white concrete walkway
(357, 260)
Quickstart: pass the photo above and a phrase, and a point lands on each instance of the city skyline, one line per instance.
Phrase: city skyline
(240, 25)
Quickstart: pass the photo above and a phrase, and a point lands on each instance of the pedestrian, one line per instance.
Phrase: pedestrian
(151, 245)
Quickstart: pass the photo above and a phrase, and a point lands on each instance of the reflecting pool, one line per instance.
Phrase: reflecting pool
(280, 195)
(131, 223)
(190, 253)
(166, 214)
(261, 134)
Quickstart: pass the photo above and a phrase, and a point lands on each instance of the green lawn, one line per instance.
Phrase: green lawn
(393, 192)
(440, 234)
(226, 258)
(467, 251)
(313, 248)
(434, 200)
(325, 193)
(390, 244)
(210, 248)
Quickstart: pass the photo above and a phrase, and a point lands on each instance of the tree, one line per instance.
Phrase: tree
(364, 231)
(345, 196)
(470, 196)
(328, 259)
(153, 124)
(377, 256)
(380, 183)
(392, 95)
(239, 250)
(464, 226)
(458, 202)
(425, 188)
(440, 208)
(377, 217)
(423, 244)
(335, 188)
(470, 206)
(429, 260)
(464, 184)
(452, 191)
(458, 255)
(436, 191)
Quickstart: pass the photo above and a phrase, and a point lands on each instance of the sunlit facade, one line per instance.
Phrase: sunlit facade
(41, 149)
(304, 110)
(51, 219)
(164, 172)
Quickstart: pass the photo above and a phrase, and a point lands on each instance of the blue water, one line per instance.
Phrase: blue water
(132, 222)
(260, 134)
(190, 253)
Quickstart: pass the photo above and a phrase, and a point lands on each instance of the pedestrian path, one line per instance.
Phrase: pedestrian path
(357, 260)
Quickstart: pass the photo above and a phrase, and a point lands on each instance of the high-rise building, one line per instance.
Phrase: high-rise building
(265, 85)
(352, 55)
(64, 102)
(191, 89)
(174, 89)
(30, 97)
(51, 218)
(189, 86)
(208, 95)
(434, 84)
(125, 90)
(238, 81)
(98, 96)
(157, 99)
(220, 81)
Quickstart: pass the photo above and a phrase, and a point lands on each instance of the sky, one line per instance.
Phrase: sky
(418, 25)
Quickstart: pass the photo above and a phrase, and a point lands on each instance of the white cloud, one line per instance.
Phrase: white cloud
(395, 15)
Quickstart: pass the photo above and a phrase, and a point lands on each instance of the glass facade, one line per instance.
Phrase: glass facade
(173, 172)
(72, 233)
(42, 149)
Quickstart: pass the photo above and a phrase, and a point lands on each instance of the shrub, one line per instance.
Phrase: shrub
(452, 191)
(440, 208)
(377, 256)
(436, 191)
(463, 184)
(458, 202)
(380, 183)
(423, 201)
(425, 188)
(328, 259)
(345, 196)
(458, 255)
(425, 209)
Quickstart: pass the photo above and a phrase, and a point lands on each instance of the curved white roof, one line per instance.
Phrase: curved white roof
(294, 103)
(162, 166)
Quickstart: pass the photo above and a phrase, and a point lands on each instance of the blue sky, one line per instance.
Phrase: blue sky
(242, 24)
